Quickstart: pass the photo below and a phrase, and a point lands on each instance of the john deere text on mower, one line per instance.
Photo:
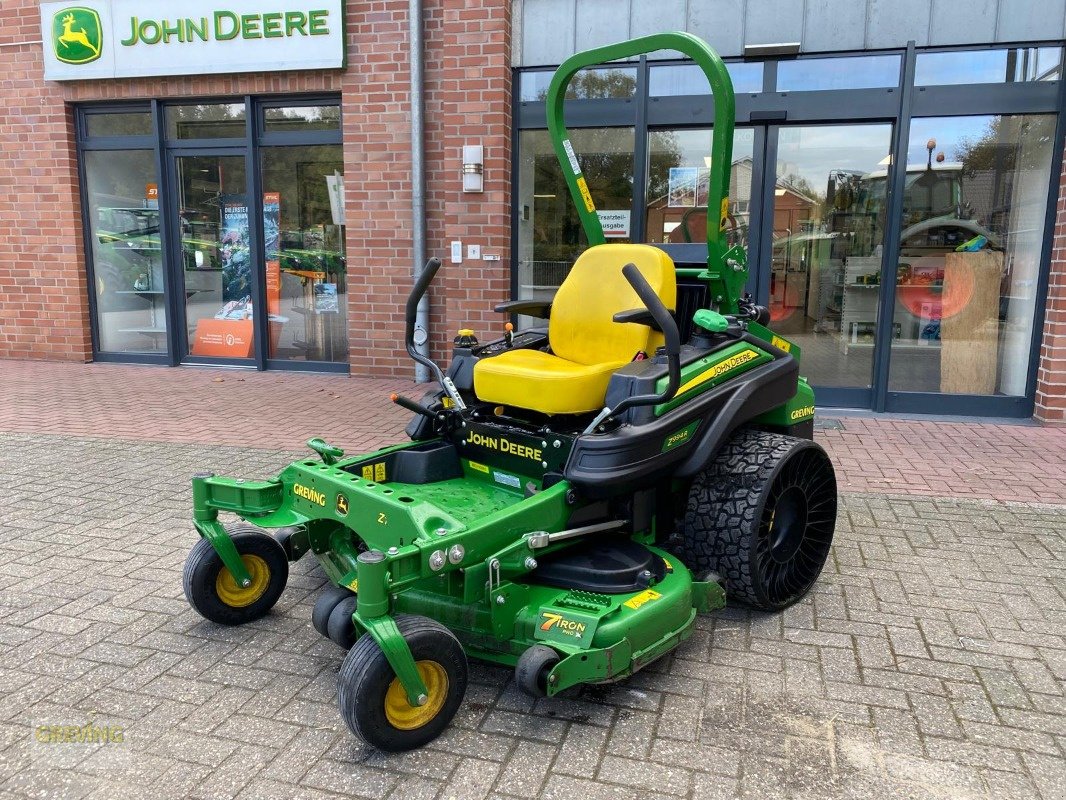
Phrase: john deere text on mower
(572, 495)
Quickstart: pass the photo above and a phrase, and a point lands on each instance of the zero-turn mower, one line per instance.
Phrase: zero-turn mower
(571, 496)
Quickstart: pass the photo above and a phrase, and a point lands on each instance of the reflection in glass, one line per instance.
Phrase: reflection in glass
(857, 72)
(303, 223)
(828, 231)
(214, 232)
(1015, 65)
(209, 121)
(677, 158)
(672, 80)
(970, 248)
(302, 118)
(588, 84)
(123, 220)
(550, 236)
(131, 123)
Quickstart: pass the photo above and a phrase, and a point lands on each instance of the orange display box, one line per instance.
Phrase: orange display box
(231, 338)
(223, 338)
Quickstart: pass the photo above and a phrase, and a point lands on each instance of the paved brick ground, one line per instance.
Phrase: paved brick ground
(283, 410)
(929, 661)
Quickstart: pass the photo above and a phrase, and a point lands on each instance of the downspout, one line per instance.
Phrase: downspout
(418, 180)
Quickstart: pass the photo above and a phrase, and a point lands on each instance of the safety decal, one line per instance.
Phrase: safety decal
(636, 601)
(586, 195)
(571, 157)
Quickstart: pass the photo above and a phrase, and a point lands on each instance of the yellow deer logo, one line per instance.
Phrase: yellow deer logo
(76, 35)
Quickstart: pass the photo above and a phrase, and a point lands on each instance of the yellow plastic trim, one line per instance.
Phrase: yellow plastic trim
(405, 717)
(235, 596)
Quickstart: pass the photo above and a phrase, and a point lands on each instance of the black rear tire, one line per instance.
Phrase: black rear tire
(372, 701)
(762, 516)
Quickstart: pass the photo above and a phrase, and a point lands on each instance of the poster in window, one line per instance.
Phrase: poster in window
(271, 243)
(233, 249)
(326, 298)
(683, 187)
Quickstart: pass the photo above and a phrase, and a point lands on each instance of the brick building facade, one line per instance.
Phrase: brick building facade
(45, 311)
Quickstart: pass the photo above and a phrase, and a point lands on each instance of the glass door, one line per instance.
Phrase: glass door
(823, 257)
(214, 243)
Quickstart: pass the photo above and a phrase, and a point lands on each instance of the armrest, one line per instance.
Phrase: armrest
(531, 308)
(640, 316)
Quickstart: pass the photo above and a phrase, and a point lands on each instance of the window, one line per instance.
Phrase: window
(672, 80)
(678, 171)
(303, 223)
(123, 225)
(209, 121)
(860, 72)
(588, 84)
(125, 123)
(550, 236)
(970, 250)
(1014, 65)
(285, 119)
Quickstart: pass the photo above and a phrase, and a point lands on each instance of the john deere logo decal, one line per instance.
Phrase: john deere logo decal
(77, 36)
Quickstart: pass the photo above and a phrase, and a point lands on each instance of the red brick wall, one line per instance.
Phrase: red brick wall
(43, 292)
(468, 102)
(1051, 377)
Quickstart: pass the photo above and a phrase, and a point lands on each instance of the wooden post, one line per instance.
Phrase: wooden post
(969, 327)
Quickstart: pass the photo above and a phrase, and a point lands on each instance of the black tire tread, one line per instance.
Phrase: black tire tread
(202, 566)
(361, 660)
(724, 508)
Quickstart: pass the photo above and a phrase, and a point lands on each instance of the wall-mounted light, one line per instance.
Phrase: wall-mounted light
(473, 168)
(771, 49)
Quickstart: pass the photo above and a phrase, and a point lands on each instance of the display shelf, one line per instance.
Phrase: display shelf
(147, 331)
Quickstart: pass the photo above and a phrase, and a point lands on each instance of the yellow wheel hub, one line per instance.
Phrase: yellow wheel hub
(401, 714)
(236, 596)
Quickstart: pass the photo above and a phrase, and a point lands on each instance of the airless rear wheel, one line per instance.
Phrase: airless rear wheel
(762, 516)
(373, 701)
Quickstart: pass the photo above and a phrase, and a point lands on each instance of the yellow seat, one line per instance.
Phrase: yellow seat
(587, 344)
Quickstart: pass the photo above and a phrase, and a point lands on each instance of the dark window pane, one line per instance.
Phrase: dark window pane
(1016, 65)
(861, 72)
(828, 236)
(302, 118)
(970, 249)
(550, 236)
(210, 121)
(672, 80)
(678, 162)
(588, 84)
(123, 220)
(135, 123)
(303, 224)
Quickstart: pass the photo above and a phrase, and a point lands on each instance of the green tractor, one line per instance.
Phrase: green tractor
(572, 495)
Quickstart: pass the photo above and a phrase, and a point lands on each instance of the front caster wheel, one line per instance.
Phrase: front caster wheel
(212, 590)
(372, 699)
(531, 671)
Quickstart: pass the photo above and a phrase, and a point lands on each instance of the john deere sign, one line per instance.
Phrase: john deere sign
(133, 38)
(76, 35)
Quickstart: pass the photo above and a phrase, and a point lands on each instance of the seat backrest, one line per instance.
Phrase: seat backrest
(581, 328)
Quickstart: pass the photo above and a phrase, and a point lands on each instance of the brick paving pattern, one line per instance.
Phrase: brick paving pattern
(928, 662)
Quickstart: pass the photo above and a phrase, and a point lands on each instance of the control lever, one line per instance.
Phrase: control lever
(412, 406)
(665, 320)
(411, 311)
(508, 335)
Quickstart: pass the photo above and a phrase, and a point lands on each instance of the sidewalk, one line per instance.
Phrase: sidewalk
(928, 661)
(280, 411)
